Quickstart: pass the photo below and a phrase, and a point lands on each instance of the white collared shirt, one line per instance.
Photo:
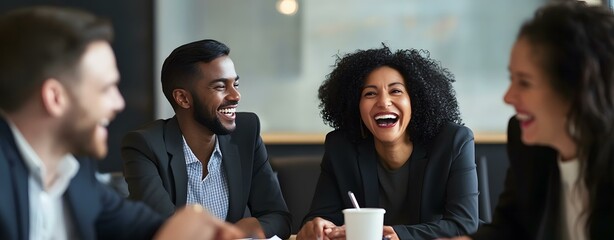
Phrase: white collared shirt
(50, 217)
(574, 199)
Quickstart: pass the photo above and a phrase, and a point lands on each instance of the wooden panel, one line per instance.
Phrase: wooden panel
(318, 138)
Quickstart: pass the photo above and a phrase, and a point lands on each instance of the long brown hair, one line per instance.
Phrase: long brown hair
(575, 44)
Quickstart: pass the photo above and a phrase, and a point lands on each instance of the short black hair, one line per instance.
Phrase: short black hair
(433, 100)
(181, 67)
(43, 42)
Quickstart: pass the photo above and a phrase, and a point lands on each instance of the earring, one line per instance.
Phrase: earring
(571, 128)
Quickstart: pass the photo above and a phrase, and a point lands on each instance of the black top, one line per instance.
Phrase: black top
(394, 189)
(393, 192)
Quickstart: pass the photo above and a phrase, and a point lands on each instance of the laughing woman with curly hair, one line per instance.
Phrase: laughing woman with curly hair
(398, 144)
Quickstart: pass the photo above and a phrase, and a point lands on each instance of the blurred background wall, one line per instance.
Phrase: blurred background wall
(283, 49)
(283, 58)
(133, 21)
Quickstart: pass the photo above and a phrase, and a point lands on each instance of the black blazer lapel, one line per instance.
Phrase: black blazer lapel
(80, 204)
(549, 224)
(231, 160)
(367, 164)
(174, 146)
(418, 163)
(15, 180)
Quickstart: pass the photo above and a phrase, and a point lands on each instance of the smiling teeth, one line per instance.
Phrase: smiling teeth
(523, 117)
(385, 116)
(227, 110)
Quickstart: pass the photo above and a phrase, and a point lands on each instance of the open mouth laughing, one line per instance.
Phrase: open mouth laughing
(524, 119)
(386, 120)
(228, 112)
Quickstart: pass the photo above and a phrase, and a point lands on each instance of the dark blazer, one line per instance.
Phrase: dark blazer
(97, 211)
(155, 169)
(528, 207)
(442, 192)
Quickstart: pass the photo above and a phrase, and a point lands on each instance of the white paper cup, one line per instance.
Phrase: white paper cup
(364, 223)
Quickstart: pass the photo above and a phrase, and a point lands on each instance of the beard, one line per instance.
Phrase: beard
(79, 133)
(210, 121)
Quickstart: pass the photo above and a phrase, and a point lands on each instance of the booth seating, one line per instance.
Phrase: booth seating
(298, 176)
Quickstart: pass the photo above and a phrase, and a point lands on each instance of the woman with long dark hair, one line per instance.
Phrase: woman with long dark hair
(560, 184)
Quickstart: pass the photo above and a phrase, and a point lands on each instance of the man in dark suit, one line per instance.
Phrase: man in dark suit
(207, 153)
(58, 93)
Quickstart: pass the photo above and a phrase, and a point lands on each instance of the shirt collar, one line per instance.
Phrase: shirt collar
(188, 160)
(569, 170)
(67, 167)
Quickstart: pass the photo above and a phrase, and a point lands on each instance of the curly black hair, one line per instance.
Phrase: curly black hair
(433, 100)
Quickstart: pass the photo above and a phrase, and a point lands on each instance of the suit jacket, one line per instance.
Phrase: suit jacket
(442, 192)
(528, 207)
(96, 211)
(155, 169)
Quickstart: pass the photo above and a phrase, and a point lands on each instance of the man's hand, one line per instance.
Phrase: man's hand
(194, 222)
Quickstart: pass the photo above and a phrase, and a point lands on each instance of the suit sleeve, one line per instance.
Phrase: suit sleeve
(119, 218)
(460, 214)
(132, 220)
(141, 173)
(266, 201)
